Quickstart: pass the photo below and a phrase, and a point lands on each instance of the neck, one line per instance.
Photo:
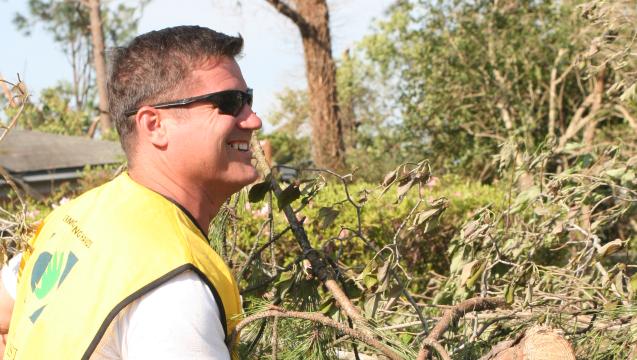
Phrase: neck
(194, 198)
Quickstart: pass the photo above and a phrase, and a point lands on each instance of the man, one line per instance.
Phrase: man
(124, 270)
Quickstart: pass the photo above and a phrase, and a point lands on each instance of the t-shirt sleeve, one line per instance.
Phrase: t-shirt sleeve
(10, 275)
(178, 320)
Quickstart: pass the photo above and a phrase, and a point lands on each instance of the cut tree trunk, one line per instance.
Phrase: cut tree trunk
(538, 343)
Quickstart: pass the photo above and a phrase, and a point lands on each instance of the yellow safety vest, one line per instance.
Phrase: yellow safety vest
(97, 254)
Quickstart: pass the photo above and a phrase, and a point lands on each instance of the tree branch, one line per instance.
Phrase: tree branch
(436, 345)
(291, 14)
(319, 267)
(631, 120)
(553, 91)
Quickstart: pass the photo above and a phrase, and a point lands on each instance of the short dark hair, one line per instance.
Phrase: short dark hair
(156, 66)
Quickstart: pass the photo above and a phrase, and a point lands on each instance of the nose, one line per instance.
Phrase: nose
(251, 122)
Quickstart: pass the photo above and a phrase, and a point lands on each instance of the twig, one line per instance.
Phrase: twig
(258, 251)
(595, 241)
(408, 295)
(270, 279)
(631, 120)
(7, 92)
(24, 96)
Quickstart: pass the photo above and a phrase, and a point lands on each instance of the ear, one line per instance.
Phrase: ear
(150, 126)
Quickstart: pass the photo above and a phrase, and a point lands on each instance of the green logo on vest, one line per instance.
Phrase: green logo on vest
(48, 273)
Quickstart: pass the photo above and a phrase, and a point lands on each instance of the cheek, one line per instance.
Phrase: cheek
(211, 150)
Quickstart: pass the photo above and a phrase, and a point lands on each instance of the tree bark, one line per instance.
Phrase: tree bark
(312, 19)
(588, 122)
(99, 61)
(598, 93)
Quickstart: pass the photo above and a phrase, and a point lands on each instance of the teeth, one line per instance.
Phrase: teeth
(241, 146)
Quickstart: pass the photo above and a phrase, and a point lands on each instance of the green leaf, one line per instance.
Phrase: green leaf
(258, 191)
(371, 305)
(628, 177)
(423, 216)
(457, 261)
(619, 283)
(476, 275)
(328, 308)
(629, 93)
(369, 280)
(469, 229)
(405, 338)
(572, 147)
(611, 305)
(616, 173)
(366, 270)
(468, 270)
(327, 215)
(382, 271)
(633, 284)
(508, 294)
(288, 196)
(285, 276)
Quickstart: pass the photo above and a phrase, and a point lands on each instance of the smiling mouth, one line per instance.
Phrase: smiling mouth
(243, 146)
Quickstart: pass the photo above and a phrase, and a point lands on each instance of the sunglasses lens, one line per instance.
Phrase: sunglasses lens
(232, 102)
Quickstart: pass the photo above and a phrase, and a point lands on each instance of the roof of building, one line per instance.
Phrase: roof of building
(23, 151)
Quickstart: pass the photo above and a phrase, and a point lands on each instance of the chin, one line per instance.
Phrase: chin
(239, 180)
(249, 178)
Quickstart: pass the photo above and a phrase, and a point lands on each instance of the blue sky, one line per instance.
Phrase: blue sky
(273, 54)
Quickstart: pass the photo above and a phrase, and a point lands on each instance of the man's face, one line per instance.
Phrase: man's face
(208, 148)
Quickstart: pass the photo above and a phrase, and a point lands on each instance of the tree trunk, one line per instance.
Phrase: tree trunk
(312, 19)
(100, 64)
(347, 115)
(598, 93)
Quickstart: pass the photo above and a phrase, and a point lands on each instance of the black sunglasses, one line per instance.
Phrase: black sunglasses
(229, 102)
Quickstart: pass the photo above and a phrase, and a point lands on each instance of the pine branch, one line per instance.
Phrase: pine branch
(277, 312)
(258, 251)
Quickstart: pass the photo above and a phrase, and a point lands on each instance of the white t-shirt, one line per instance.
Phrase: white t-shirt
(177, 320)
